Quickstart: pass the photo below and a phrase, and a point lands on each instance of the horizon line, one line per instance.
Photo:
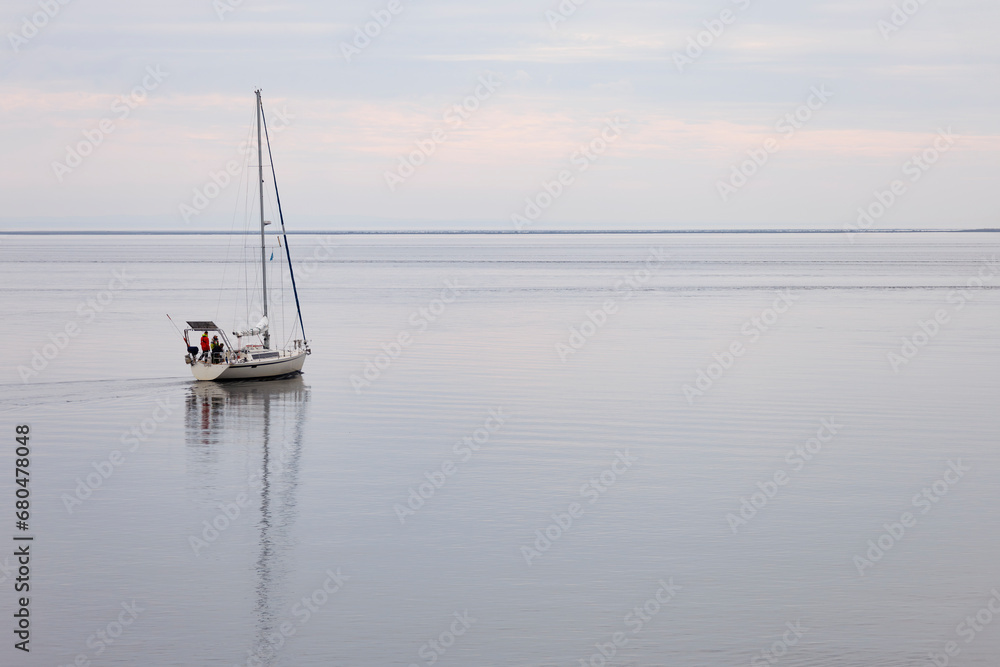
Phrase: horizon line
(432, 232)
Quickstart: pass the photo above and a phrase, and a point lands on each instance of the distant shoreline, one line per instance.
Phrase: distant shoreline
(471, 232)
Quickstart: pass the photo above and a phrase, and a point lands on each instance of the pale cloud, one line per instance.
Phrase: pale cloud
(352, 121)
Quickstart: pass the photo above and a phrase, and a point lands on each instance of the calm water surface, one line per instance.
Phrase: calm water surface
(567, 464)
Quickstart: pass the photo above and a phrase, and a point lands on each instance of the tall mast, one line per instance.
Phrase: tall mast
(281, 216)
(260, 185)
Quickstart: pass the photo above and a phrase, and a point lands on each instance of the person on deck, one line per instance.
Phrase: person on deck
(204, 347)
(216, 350)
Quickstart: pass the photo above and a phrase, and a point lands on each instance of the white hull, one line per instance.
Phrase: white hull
(250, 370)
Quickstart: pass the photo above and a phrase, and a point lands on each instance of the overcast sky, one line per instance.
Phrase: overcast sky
(160, 96)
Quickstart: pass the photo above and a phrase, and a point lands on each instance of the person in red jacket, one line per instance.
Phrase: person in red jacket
(204, 346)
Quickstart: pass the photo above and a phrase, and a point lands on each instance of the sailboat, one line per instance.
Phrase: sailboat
(255, 359)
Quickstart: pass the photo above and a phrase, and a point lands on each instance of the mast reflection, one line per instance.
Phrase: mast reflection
(272, 413)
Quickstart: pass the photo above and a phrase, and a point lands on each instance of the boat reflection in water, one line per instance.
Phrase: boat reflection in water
(264, 421)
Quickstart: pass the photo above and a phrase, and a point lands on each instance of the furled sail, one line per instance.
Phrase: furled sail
(260, 328)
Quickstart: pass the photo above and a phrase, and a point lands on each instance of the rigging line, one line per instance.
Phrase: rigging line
(277, 197)
(289, 334)
(249, 295)
(244, 181)
(229, 241)
(281, 273)
(277, 283)
(280, 282)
